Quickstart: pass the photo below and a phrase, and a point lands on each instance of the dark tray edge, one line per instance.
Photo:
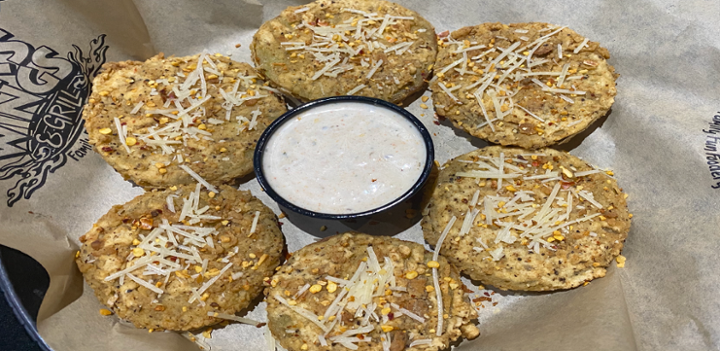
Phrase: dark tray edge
(20, 313)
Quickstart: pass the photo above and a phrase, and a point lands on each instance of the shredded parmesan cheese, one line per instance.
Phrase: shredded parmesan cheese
(211, 282)
(335, 45)
(585, 173)
(171, 203)
(518, 216)
(497, 254)
(255, 222)
(408, 313)
(356, 89)
(137, 107)
(312, 317)
(234, 318)
(497, 76)
(151, 287)
(199, 179)
(438, 292)
(373, 69)
(201, 344)
(590, 198)
(122, 134)
(569, 100)
(357, 295)
(269, 339)
(530, 113)
(581, 46)
(420, 342)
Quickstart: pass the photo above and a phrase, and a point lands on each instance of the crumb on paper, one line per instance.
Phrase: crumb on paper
(620, 261)
(207, 334)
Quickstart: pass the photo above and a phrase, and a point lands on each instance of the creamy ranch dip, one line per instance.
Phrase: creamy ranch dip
(345, 157)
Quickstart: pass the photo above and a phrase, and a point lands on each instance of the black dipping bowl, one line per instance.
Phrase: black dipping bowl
(388, 219)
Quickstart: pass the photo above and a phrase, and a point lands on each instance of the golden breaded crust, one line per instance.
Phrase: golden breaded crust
(507, 242)
(217, 145)
(346, 52)
(120, 234)
(340, 256)
(531, 116)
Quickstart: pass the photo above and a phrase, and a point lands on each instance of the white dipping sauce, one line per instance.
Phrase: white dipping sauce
(344, 157)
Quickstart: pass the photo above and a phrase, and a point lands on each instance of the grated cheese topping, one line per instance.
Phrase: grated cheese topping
(198, 178)
(346, 46)
(356, 89)
(233, 317)
(253, 227)
(171, 248)
(361, 295)
(581, 46)
(269, 339)
(436, 284)
(202, 345)
(122, 134)
(498, 73)
(420, 342)
(185, 108)
(536, 218)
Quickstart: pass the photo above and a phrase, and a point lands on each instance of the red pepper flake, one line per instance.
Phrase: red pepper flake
(565, 185)
(146, 223)
(107, 149)
(390, 316)
(482, 299)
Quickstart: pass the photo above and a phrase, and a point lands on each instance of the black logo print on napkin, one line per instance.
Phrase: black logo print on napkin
(41, 100)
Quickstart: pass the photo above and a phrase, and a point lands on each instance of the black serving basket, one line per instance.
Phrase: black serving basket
(23, 283)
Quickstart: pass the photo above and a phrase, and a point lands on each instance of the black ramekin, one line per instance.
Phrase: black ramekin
(394, 213)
